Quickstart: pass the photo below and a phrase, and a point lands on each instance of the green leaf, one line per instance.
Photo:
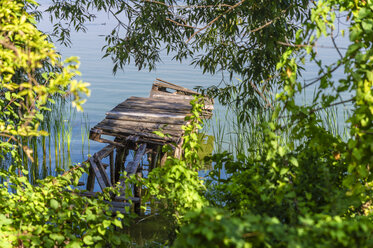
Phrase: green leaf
(54, 204)
(57, 237)
(363, 12)
(88, 240)
(367, 26)
(39, 116)
(118, 223)
(294, 161)
(370, 75)
(106, 223)
(74, 244)
(7, 95)
(4, 220)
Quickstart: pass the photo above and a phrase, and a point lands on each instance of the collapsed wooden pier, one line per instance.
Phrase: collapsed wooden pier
(131, 125)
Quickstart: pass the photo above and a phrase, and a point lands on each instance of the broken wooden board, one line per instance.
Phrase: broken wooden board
(132, 166)
(174, 119)
(100, 173)
(142, 117)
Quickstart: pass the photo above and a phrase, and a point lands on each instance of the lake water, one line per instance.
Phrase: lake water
(107, 90)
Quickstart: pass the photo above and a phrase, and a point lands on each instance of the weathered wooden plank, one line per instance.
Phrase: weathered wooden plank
(147, 133)
(122, 198)
(139, 131)
(97, 173)
(104, 175)
(104, 152)
(165, 84)
(94, 134)
(167, 103)
(112, 167)
(137, 193)
(147, 116)
(132, 166)
(208, 103)
(120, 210)
(143, 127)
(161, 99)
(175, 101)
(157, 102)
(163, 158)
(116, 204)
(119, 162)
(140, 125)
(91, 179)
(150, 110)
(148, 140)
(165, 95)
(116, 198)
(139, 119)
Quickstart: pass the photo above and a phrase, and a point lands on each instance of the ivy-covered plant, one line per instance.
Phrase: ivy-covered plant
(53, 214)
(49, 213)
(315, 190)
(24, 51)
(177, 184)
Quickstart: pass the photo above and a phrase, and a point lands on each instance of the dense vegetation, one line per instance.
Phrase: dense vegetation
(46, 214)
(299, 185)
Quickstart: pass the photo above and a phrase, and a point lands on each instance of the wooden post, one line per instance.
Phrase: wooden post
(153, 159)
(100, 173)
(112, 168)
(120, 158)
(137, 193)
(91, 179)
(163, 158)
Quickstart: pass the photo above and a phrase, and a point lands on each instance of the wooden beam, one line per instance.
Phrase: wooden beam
(100, 172)
(140, 125)
(117, 131)
(97, 173)
(170, 118)
(137, 193)
(91, 179)
(119, 162)
(112, 168)
(132, 166)
(106, 151)
(169, 85)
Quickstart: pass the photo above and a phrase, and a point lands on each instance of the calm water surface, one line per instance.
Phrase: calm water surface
(107, 90)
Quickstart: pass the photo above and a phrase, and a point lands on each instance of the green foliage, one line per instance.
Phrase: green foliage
(314, 190)
(305, 185)
(176, 184)
(49, 213)
(24, 52)
(53, 214)
(212, 227)
(237, 37)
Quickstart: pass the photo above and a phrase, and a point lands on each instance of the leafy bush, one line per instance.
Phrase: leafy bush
(212, 227)
(52, 214)
(315, 190)
(177, 183)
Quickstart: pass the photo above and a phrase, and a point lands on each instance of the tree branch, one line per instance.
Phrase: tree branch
(189, 6)
(215, 19)
(180, 24)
